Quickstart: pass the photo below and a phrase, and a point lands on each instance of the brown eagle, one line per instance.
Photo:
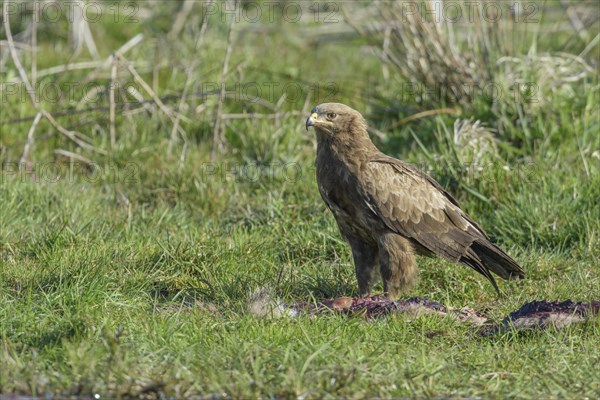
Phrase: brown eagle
(389, 211)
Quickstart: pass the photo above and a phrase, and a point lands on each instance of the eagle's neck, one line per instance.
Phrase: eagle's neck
(352, 147)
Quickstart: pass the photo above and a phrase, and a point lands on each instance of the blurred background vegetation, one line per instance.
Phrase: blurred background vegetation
(154, 157)
(475, 94)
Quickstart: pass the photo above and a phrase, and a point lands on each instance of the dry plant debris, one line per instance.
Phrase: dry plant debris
(533, 315)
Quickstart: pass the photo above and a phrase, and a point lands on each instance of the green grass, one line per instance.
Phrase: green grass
(131, 279)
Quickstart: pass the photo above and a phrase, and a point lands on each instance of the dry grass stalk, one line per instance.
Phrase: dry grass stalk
(58, 69)
(146, 87)
(180, 19)
(34, 27)
(186, 8)
(80, 31)
(73, 156)
(71, 134)
(423, 114)
(111, 97)
(262, 116)
(23, 74)
(15, 57)
(175, 129)
(218, 134)
(474, 141)
(537, 79)
(426, 51)
(168, 112)
(29, 142)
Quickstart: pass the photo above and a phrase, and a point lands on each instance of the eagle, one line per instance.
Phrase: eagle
(389, 211)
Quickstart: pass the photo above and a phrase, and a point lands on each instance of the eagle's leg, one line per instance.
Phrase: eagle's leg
(366, 260)
(398, 264)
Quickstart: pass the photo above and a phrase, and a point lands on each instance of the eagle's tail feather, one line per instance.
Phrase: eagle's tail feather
(484, 257)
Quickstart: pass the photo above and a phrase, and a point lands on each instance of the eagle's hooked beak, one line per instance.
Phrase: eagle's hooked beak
(310, 121)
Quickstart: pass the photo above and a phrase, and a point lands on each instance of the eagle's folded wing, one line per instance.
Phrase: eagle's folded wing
(416, 207)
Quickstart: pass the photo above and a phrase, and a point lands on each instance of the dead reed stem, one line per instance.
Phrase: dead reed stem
(30, 139)
(218, 131)
(23, 74)
(111, 99)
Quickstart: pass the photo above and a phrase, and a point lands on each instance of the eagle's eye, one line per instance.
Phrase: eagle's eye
(331, 116)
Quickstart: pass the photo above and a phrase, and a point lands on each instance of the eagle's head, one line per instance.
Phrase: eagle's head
(333, 118)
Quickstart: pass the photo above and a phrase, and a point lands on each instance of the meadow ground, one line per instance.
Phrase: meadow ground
(131, 240)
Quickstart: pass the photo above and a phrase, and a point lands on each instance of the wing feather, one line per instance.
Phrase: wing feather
(415, 206)
(411, 205)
